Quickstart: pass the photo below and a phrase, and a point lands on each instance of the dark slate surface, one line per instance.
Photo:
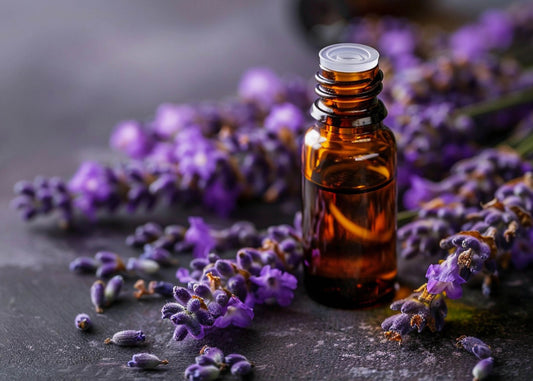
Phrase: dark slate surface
(67, 74)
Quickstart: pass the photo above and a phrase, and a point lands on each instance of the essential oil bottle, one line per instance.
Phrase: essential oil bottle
(349, 185)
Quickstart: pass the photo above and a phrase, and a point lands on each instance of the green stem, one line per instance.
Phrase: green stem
(514, 98)
(525, 146)
(405, 216)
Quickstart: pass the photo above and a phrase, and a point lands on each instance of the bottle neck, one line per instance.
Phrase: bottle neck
(348, 100)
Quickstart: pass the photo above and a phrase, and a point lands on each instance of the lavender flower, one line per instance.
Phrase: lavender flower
(198, 235)
(131, 138)
(170, 119)
(286, 116)
(274, 285)
(262, 87)
(445, 278)
(146, 361)
(127, 338)
(95, 186)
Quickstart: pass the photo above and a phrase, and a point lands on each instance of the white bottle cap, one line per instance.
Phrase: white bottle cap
(348, 58)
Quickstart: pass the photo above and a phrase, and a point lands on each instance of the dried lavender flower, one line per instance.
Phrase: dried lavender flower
(142, 266)
(196, 372)
(482, 369)
(112, 289)
(83, 322)
(146, 361)
(83, 265)
(127, 338)
(474, 346)
(97, 296)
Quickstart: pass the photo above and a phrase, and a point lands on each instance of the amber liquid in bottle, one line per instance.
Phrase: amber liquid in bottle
(349, 193)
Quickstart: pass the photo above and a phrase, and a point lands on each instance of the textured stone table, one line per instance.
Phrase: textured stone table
(67, 74)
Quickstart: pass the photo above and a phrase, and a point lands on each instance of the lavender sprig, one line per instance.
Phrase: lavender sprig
(494, 231)
(223, 292)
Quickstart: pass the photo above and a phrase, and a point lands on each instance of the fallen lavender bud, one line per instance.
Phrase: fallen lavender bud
(83, 322)
(127, 338)
(146, 361)
(97, 296)
(241, 368)
(142, 266)
(83, 265)
(112, 289)
(197, 372)
(482, 369)
(474, 346)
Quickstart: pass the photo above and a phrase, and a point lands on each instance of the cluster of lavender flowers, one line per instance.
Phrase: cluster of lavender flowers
(490, 235)
(222, 292)
(212, 363)
(432, 76)
(446, 207)
(212, 154)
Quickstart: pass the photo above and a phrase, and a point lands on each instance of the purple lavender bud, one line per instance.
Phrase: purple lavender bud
(215, 309)
(180, 333)
(237, 286)
(197, 372)
(213, 353)
(162, 288)
(107, 257)
(97, 296)
(205, 360)
(234, 358)
(241, 368)
(244, 259)
(202, 291)
(194, 304)
(143, 266)
(83, 265)
(170, 309)
(83, 322)
(182, 295)
(127, 338)
(482, 369)
(107, 269)
(146, 361)
(181, 318)
(24, 188)
(112, 289)
(400, 323)
(199, 263)
(225, 268)
(157, 254)
(474, 346)
(204, 318)
(221, 297)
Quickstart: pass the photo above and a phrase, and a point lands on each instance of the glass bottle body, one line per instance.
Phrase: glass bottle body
(349, 200)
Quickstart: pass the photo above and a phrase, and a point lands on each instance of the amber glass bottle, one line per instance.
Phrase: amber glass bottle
(349, 185)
